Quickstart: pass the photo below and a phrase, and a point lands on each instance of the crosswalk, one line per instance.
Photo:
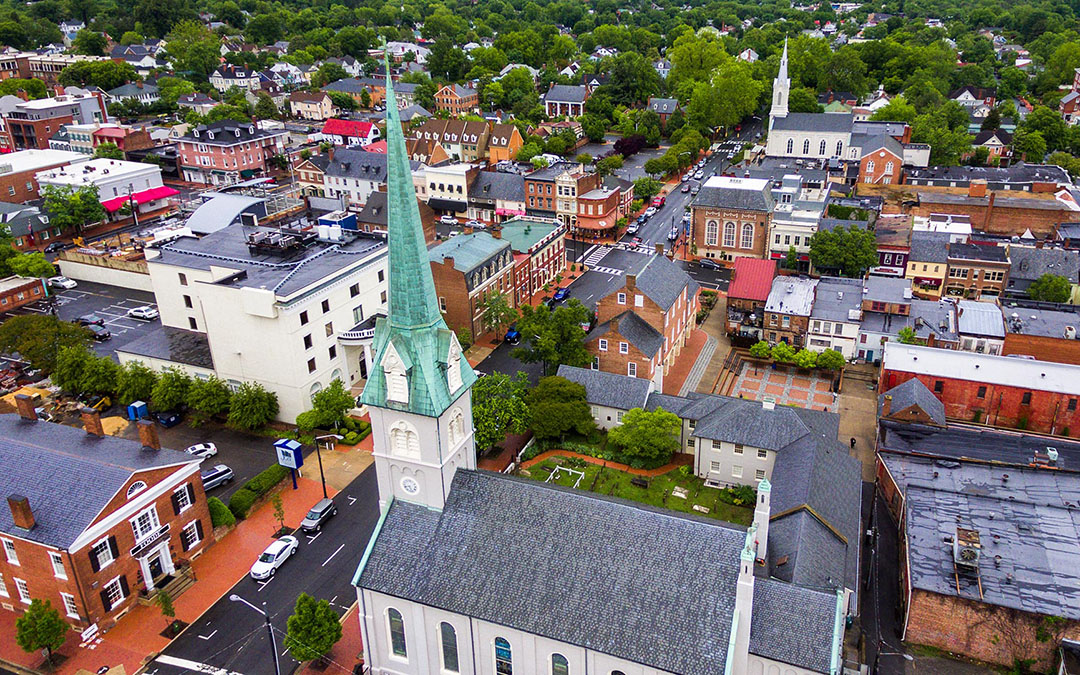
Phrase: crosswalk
(597, 255)
(606, 270)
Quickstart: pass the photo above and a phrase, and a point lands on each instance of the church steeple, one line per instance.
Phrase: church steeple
(781, 89)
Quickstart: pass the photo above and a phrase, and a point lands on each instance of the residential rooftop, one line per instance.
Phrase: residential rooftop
(838, 299)
(35, 160)
(791, 295)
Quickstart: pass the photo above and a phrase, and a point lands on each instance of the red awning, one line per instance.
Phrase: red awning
(116, 203)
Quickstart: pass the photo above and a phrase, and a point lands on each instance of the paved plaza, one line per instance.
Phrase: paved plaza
(786, 386)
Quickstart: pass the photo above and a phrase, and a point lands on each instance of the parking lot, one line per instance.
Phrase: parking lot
(111, 303)
(633, 167)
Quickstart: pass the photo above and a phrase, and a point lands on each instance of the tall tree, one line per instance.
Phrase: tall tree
(71, 208)
(498, 405)
(171, 389)
(651, 437)
(40, 337)
(558, 406)
(207, 398)
(252, 406)
(40, 628)
(313, 629)
(850, 250)
(91, 43)
(633, 79)
(1051, 288)
(135, 382)
(554, 337)
(497, 311)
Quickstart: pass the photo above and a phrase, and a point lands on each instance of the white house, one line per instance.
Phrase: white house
(119, 183)
(228, 76)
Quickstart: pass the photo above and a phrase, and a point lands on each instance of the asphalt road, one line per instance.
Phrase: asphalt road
(232, 638)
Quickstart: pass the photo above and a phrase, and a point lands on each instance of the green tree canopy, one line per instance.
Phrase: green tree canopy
(649, 436)
(851, 250)
(30, 264)
(906, 335)
(71, 208)
(554, 338)
(328, 410)
(104, 74)
(498, 405)
(252, 406)
(40, 627)
(1050, 288)
(108, 150)
(830, 359)
(207, 398)
(557, 407)
(497, 311)
(40, 337)
(313, 629)
(170, 390)
(91, 43)
(135, 382)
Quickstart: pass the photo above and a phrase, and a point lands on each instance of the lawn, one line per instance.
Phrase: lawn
(608, 481)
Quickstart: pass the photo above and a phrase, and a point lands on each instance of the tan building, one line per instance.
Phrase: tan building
(311, 105)
(731, 218)
(928, 264)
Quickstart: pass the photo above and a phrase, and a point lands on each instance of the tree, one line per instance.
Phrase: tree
(99, 376)
(71, 362)
(135, 382)
(583, 158)
(646, 188)
(207, 398)
(89, 42)
(804, 100)
(164, 602)
(313, 629)
(896, 110)
(497, 311)
(1050, 288)
(1030, 144)
(130, 37)
(791, 260)
(264, 28)
(71, 208)
(906, 336)
(554, 337)
(498, 404)
(447, 62)
(852, 250)
(327, 73)
(805, 358)
(108, 150)
(342, 101)
(279, 510)
(760, 350)
(171, 389)
(40, 337)
(104, 74)
(632, 79)
(265, 108)
(31, 264)
(830, 359)
(649, 436)
(328, 410)
(558, 406)
(193, 49)
(782, 352)
(609, 164)
(172, 88)
(252, 406)
(40, 627)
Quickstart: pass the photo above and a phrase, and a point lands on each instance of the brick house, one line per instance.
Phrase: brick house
(892, 233)
(17, 291)
(597, 213)
(308, 105)
(18, 183)
(731, 217)
(788, 309)
(539, 249)
(311, 174)
(751, 282)
(642, 326)
(503, 143)
(226, 151)
(996, 142)
(466, 268)
(552, 192)
(1069, 107)
(664, 107)
(457, 100)
(95, 522)
(125, 138)
(566, 100)
(976, 270)
(1039, 396)
(32, 123)
(882, 161)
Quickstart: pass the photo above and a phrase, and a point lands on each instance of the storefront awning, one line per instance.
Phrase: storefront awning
(247, 173)
(928, 281)
(775, 255)
(447, 205)
(153, 194)
(509, 212)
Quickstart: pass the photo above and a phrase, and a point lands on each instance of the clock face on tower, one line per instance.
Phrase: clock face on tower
(410, 486)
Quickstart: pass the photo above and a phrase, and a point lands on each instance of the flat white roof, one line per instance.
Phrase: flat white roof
(95, 170)
(738, 183)
(791, 295)
(1061, 378)
(34, 160)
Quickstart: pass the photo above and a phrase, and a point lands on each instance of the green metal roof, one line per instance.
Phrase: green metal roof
(468, 250)
(523, 234)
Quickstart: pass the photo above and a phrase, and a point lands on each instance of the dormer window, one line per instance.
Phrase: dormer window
(195, 133)
(251, 130)
(236, 132)
(210, 135)
(397, 383)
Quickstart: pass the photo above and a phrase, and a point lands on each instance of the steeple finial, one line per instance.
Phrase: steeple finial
(783, 63)
(412, 289)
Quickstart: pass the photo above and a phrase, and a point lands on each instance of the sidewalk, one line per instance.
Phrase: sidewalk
(684, 363)
(715, 326)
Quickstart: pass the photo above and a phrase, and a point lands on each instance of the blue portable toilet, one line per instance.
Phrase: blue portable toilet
(137, 411)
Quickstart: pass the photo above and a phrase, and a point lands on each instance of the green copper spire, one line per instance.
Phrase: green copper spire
(412, 290)
(417, 363)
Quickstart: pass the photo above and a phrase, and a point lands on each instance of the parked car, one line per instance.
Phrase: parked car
(99, 333)
(674, 234)
(168, 418)
(709, 264)
(90, 320)
(475, 224)
(202, 450)
(146, 312)
(659, 201)
(323, 510)
(686, 188)
(513, 335)
(650, 211)
(273, 557)
(699, 174)
(448, 220)
(696, 189)
(55, 246)
(219, 474)
(632, 228)
(61, 282)
(561, 294)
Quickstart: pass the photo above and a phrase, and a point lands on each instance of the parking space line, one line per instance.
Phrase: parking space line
(207, 637)
(311, 538)
(332, 555)
(264, 584)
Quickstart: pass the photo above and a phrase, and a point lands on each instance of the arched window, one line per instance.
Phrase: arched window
(448, 638)
(335, 374)
(135, 488)
(790, 145)
(821, 148)
(404, 441)
(870, 166)
(559, 665)
(397, 632)
(729, 234)
(839, 147)
(397, 384)
(617, 672)
(712, 232)
(457, 428)
(889, 168)
(747, 236)
(315, 389)
(806, 147)
(504, 660)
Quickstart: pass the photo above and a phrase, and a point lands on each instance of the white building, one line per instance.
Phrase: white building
(798, 210)
(448, 187)
(118, 182)
(353, 174)
(836, 316)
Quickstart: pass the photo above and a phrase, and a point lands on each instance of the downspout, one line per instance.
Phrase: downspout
(78, 586)
(837, 665)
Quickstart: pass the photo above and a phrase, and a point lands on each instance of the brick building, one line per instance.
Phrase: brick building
(1038, 207)
(882, 161)
(996, 390)
(125, 138)
(642, 325)
(788, 309)
(457, 100)
(892, 233)
(539, 249)
(18, 181)
(751, 282)
(227, 151)
(32, 123)
(467, 268)
(1046, 334)
(95, 522)
(731, 217)
(18, 291)
(552, 192)
(504, 142)
(597, 213)
(977, 270)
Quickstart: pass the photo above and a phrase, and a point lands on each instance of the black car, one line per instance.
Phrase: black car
(168, 419)
(55, 246)
(90, 320)
(710, 264)
(99, 334)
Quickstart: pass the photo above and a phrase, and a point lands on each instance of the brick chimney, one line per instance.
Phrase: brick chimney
(58, 90)
(21, 93)
(631, 282)
(24, 403)
(886, 405)
(614, 324)
(977, 188)
(496, 231)
(91, 420)
(139, 84)
(330, 153)
(148, 435)
(21, 514)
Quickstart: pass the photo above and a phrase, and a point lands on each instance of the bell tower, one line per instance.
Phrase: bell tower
(781, 90)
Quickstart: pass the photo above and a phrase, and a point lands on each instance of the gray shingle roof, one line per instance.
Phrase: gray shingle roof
(792, 625)
(734, 198)
(978, 252)
(662, 281)
(358, 164)
(913, 393)
(566, 93)
(49, 463)
(835, 298)
(929, 247)
(584, 573)
(609, 389)
(822, 122)
(663, 106)
(496, 185)
(637, 332)
(131, 89)
(1029, 263)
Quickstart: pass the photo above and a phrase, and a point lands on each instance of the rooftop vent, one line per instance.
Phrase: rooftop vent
(966, 548)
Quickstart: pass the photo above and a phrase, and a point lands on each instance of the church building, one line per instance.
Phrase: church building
(480, 573)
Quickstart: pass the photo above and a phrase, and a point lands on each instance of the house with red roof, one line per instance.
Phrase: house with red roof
(350, 132)
(751, 282)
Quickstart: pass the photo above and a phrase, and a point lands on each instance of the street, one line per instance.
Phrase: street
(232, 638)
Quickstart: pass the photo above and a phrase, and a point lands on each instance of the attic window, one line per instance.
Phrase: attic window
(135, 488)
(251, 130)
(210, 135)
(236, 132)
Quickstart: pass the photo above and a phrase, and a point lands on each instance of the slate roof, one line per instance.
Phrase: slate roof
(609, 389)
(732, 197)
(501, 135)
(663, 106)
(565, 93)
(798, 635)
(835, 298)
(571, 569)
(637, 332)
(173, 344)
(913, 393)
(352, 85)
(871, 144)
(131, 90)
(816, 122)
(662, 281)
(1028, 263)
(929, 247)
(496, 185)
(983, 137)
(895, 290)
(978, 252)
(49, 463)
(354, 163)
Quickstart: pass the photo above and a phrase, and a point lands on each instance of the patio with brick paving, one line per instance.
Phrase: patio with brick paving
(787, 386)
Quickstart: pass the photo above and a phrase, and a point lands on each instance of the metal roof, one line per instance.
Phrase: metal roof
(999, 370)
(980, 318)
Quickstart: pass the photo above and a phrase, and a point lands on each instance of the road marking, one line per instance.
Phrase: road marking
(333, 599)
(193, 665)
(207, 637)
(332, 555)
(311, 538)
(352, 500)
(264, 584)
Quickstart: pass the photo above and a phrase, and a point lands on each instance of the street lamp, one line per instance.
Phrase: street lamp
(319, 455)
(273, 643)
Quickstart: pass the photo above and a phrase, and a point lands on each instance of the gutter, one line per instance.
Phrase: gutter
(836, 665)
(371, 543)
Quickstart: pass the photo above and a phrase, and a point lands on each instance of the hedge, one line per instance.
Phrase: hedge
(220, 515)
(241, 501)
(265, 481)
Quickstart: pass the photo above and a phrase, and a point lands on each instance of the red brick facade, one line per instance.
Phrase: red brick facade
(17, 188)
(20, 291)
(881, 167)
(460, 307)
(725, 233)
(1042, 347)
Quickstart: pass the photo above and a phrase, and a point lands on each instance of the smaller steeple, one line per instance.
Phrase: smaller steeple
(781, 90)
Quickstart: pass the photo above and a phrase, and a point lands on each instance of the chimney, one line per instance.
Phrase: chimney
(330, 153)
(24, 403)
(21, 514)
(139, 84)
(886, 405)
(148, 435)
(977, 188)
(21, 93)
(496, 231)
(58, 90)
(614, 324)
(631, 282)
(739, 648)
(91, 420)
(761, 518)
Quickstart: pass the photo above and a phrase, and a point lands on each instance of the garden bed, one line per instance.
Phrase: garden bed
(656, 491)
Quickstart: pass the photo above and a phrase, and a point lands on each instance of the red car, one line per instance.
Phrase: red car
(659, 201)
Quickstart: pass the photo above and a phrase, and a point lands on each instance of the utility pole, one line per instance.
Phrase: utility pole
(269, 628)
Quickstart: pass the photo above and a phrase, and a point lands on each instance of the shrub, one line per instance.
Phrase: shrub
(351, 438)
(265, 480)
(241, 501)
(760, 350)
(220, 515)
(701, 314)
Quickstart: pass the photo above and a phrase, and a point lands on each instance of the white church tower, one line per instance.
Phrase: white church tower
(781, 90)
(419, 390)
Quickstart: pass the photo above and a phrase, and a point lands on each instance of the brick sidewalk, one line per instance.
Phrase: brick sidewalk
(676, 376)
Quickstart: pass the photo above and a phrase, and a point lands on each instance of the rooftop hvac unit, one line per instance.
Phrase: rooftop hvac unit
(1070, 332)
(966, 548)
(249, 219)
